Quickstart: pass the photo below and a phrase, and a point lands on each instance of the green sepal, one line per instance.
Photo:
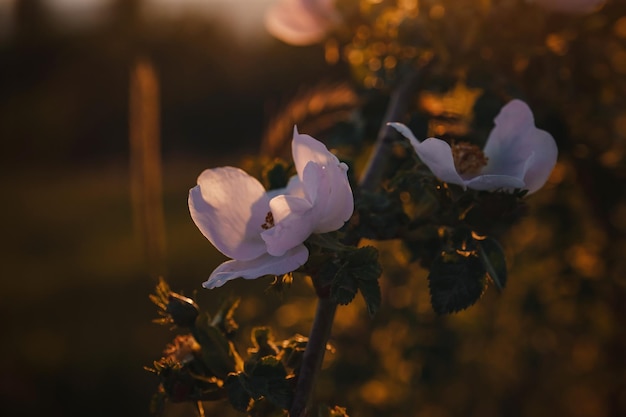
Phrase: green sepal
(174, 308)
(281, 283)
(455, 282)
(292, 351)
(494, 261)
(237, 395)
(218, 353)
(224, 318)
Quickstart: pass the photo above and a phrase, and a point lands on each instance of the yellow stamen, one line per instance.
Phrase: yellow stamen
(269, 221)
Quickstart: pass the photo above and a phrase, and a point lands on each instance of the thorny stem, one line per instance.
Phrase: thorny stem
(326, 307)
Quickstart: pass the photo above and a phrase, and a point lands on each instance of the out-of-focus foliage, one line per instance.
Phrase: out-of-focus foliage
(552, 343)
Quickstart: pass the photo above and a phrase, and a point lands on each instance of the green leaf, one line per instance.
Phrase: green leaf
(224, 318)
(263, 341)
(362, 256)
(344, 287)
(455, 282)
(237, 394)
(371, 294)
(492, 257)
(217, 352)
(360, 271)
(367, 270)
(292, 351)
(267, 379)
(183, 310)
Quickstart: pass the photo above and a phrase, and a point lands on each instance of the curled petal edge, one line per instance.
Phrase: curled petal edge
(263, 265)
(435, 153)
(494, 182)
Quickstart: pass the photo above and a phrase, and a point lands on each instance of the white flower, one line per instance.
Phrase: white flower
(516, 155)
(301, 22)
(570, 6)
(263, 232)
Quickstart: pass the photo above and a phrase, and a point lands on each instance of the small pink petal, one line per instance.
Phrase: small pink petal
(435, 153)
(305, 149)
(229, 207)
(335, 202)
(294, 221)
(512, 143)
(258, 267)
(541, 163)
(325, 181)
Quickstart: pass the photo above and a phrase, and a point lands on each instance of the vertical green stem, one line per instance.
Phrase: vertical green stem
(326, 307)
(313, 355)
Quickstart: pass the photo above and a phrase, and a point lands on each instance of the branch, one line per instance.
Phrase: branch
(326, 307)
(396, 109)
(313, 354)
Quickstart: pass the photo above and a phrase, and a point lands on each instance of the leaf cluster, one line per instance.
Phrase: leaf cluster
(341, 271)
(205, 365)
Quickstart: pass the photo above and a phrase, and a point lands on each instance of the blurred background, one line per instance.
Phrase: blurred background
(76, 272)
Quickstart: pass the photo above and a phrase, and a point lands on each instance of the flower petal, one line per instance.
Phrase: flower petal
(512, 142)
(541, 163)
(305, 149)
(229, 207)
(258, 267)
(333, 203)
(294, 221)
(506, 146)
(494, 182)
(435, 153)
(326, 182)
(405, 131)
(300, 22)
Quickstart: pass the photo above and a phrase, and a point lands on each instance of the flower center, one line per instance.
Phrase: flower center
(269, 221)
(468, 158)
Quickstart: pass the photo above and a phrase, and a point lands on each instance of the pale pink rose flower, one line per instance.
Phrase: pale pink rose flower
(263, 232)
(301, 22)
(517, 155)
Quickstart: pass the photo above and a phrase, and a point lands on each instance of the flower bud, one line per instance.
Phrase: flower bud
(183, 310)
